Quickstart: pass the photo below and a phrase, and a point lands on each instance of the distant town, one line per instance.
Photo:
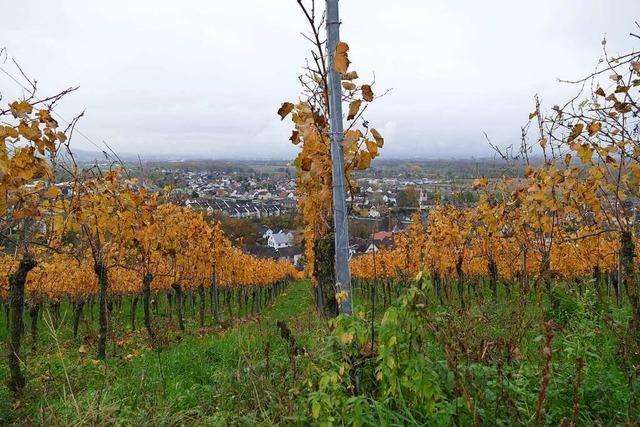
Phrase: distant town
(256, 201)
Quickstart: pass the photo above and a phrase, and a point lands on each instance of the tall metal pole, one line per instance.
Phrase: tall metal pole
(341, 227)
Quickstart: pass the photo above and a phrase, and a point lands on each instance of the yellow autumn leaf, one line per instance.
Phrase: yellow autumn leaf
(31, 132)
(20, 109)
(305, 164)
(367, 93)
(348, 85)
(295, 137)
(584, 151)
(350, 140)
(480, 182)
(376, 135)
(597, 173)
(575, 132)
(567, 159)
(372, 147)
(341, 296)
(364, 161)
(594, 127)
(341, 60)
(53, 192)
(7, 132)
(44, 115)
(351, 75)
(354, 107)
(285, 109)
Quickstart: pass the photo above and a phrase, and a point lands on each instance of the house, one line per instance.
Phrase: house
(372, 248)
(264, 232)
(375, 246)
(382, 235)
(280, 240)
(261, 251)
(289, 203)
(357, 246)
(293, 254)
(380, 240)
(236, 208)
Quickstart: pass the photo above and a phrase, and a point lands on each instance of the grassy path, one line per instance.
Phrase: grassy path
(240, 376)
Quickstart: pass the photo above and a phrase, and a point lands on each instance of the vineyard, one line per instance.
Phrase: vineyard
(99, 241)
(122, 306)
(522, 308)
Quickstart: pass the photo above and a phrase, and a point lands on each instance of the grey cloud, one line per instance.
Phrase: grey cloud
(206, 77)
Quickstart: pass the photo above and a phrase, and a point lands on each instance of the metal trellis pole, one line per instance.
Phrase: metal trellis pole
(341, 228)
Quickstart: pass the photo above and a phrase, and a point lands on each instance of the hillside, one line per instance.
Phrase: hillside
(237, 373)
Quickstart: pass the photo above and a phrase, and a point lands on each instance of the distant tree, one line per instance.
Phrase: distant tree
(195, 194)
(434, 195)
(408, 198)
(465, 196)
(286, 222)
(359, 229)
(240, 229)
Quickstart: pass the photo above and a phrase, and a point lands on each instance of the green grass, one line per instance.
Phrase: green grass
(433, 360)
(241, 375)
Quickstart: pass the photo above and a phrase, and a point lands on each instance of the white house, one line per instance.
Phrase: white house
(280, 239)
(267, 233)
(372, 248)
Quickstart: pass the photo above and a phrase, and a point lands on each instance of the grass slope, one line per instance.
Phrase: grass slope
(241, 375)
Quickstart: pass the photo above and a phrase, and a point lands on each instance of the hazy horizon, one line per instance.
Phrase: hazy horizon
(84, 155)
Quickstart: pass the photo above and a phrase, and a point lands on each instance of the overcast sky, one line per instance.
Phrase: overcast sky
(205, 77)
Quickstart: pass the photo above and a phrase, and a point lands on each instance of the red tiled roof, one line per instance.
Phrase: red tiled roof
(381, 235)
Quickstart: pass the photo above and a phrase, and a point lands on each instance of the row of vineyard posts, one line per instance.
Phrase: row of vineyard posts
(101, 236)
